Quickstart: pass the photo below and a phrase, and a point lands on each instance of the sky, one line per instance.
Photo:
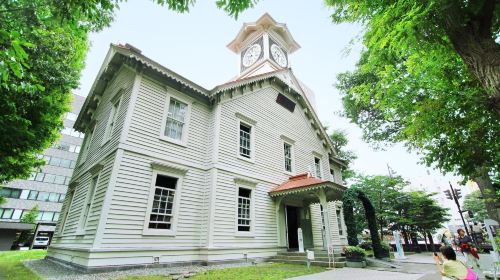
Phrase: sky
(194, 46)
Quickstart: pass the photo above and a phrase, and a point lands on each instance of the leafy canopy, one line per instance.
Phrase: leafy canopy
(43, 44)
(474, 202)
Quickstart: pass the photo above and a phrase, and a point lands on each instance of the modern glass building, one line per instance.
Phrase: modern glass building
(46, 187)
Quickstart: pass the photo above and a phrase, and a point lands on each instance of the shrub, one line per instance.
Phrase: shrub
(367, 245)
(354, 253)
(386, 249)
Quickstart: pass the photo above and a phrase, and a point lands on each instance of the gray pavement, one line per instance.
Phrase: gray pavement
(414, 267)
(359, 274)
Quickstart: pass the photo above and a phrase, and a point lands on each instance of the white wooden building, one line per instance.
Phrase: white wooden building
(173, 173)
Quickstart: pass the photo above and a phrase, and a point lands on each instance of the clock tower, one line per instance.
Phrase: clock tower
(263, 46)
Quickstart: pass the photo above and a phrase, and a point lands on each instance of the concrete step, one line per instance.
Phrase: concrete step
(315, 262)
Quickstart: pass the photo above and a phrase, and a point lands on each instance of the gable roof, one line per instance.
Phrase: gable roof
(302, 182)
(119, 54)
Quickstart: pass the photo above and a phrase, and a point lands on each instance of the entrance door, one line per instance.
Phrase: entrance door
(292, 224)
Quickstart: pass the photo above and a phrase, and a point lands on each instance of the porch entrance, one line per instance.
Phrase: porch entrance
(292, 225)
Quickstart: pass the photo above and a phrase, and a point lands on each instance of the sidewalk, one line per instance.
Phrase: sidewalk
(359, 274)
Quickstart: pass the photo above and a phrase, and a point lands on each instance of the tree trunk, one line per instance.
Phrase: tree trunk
(425, 241)
(431, 241)
(488, 191)
(405, 236)
(475, 44)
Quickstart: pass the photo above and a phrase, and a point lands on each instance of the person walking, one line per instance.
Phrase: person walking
(450, 267)
(470, 253)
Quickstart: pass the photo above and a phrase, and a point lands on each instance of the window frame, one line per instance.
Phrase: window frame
(288, 141)
(318, 168)
(87, 142)
(169, 172)
(70, 197)
(113, 116)
(249, 123)
(89, 200)
(185, 128)
(251, 186)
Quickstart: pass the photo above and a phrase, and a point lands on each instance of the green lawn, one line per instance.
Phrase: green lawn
(11, 267)
(272, 271)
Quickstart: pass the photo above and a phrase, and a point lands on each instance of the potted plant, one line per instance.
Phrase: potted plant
(355, 256)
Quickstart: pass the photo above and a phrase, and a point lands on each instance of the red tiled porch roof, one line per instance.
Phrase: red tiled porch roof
(296, 182)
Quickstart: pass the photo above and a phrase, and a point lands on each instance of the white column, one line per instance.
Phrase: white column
(326, 215)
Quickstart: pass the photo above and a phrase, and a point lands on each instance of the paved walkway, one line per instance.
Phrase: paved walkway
(414, 267)
(359, 274)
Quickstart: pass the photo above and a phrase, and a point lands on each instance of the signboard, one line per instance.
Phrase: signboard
(310, 255)
(301, 240)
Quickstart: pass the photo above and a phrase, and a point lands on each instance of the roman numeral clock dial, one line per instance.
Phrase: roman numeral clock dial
(251, 55)
(278, 55)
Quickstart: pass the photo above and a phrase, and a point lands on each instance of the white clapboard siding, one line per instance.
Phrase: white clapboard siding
(147, 119)
(316, 225)
(74, 221)
(127, 211)
(123, 80)
(264, 225)
(271, 123)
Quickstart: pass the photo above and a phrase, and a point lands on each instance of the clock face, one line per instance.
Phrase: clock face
(278, 55)
(251, 55)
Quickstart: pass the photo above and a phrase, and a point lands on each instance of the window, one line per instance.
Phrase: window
(175, 119)
(67, 147)
(6, 213)
(10, 193)
(163, 203)
(317, 167)
(53, 197)
(71, 132)
(339, 222)
(71, 116)
(332, 174)
(47, 216)
(112, 118)
(288, 156)
(33, 195)
(90, 198)
(86, 144)
(17, 214)
(245, 140)
(43, 196)
(49, 178)
(67, 209)
(244, 201)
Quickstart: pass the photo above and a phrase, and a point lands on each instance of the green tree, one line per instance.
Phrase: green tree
(426, 214)
(413, 84)
(30, 217)
(339, 140)
(42, 50)
(474, 202)
(465, 30)
(384, 192)
(350, 196)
